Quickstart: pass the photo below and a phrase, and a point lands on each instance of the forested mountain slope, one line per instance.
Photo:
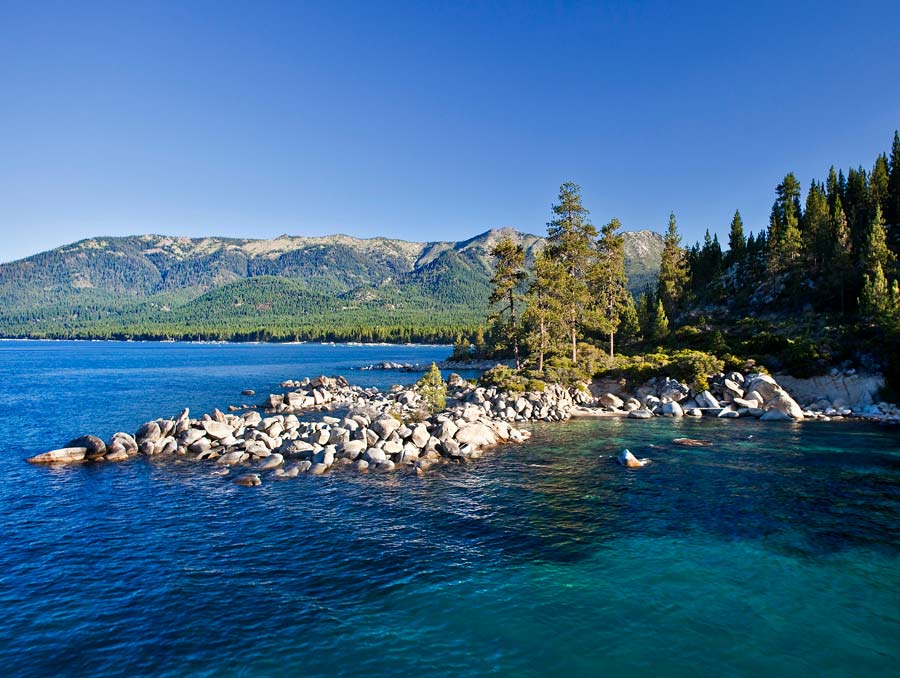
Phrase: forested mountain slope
(332, 287)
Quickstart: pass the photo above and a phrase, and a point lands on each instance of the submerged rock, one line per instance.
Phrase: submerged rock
(248, 480)
(627, 459)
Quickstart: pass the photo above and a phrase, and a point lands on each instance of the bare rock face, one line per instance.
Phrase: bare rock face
(65, 455)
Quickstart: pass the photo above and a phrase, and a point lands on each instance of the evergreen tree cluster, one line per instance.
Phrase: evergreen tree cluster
(834, 252)
(575, 289)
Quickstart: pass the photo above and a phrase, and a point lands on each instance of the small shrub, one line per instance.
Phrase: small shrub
(433, 389)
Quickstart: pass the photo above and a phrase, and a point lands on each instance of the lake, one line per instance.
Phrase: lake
(776, 550)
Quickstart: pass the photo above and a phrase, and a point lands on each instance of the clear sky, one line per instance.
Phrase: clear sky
(426, 120)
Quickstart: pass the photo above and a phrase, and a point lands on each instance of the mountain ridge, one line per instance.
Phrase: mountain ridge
(110, 285)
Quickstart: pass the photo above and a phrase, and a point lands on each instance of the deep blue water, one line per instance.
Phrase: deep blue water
(776, 551)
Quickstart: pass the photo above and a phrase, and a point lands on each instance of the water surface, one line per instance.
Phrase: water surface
(773, 551)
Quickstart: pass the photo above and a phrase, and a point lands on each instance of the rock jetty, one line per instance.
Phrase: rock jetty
(393, 430)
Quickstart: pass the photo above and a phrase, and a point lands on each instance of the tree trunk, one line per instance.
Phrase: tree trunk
(512, 323)
(612, 352)
(541, 356)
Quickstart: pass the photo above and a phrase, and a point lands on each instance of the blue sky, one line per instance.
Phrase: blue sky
(426, 120)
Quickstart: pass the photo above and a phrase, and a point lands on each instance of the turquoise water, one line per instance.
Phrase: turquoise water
(773, 551)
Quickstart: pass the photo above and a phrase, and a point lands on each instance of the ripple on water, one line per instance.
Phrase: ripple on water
(775, 551)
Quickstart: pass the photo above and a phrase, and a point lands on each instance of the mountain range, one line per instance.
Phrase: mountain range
(327, 288)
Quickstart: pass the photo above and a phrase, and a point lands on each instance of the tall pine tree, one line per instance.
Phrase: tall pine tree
(737, 243)
(609, 284)
(509, 275)
(570, 239)
(892, 209)
(544, 310)
(673, 274)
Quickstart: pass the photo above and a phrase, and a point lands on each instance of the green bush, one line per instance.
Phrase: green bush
(504, 378)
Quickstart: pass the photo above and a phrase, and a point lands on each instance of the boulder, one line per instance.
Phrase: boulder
(248, 392)
(353, 448)
(232, 458)
(674, 390)
(611, 401)
(318, 469)
(148, 432)
(384, 426)
(273, 401)
(420, 435)
(763, 384)
(392, 447)
(705, 399)
(272, 461)
(782, 407)
(476, 434)
(640, 414)
(65, 455)
(95, 448)
(374, 456)
(627, 459)
(445, 430)
(121, 441)
(200, 446)
(248, 480)
(217, 430)
(671, 409)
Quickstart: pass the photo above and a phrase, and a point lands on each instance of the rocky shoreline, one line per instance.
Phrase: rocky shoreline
(392, 431)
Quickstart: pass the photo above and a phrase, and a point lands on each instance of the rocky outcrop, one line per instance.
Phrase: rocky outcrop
(841, 393)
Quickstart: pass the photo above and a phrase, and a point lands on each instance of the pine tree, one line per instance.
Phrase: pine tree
(433, 389)
(876, 253)
(629, 323)
(857, 206)
(875, 302)
(892, 209)
(673, 274)
(645, 306)
(660, 329)
(737, 243)
(544, 311)
(816, 230)
(570, 237)
(785, 242)
(608, 282)
(831, 188)
(841, 253)
(509, 275)
(879, 182)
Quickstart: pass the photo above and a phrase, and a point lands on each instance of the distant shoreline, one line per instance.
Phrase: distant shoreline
(236, 343)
